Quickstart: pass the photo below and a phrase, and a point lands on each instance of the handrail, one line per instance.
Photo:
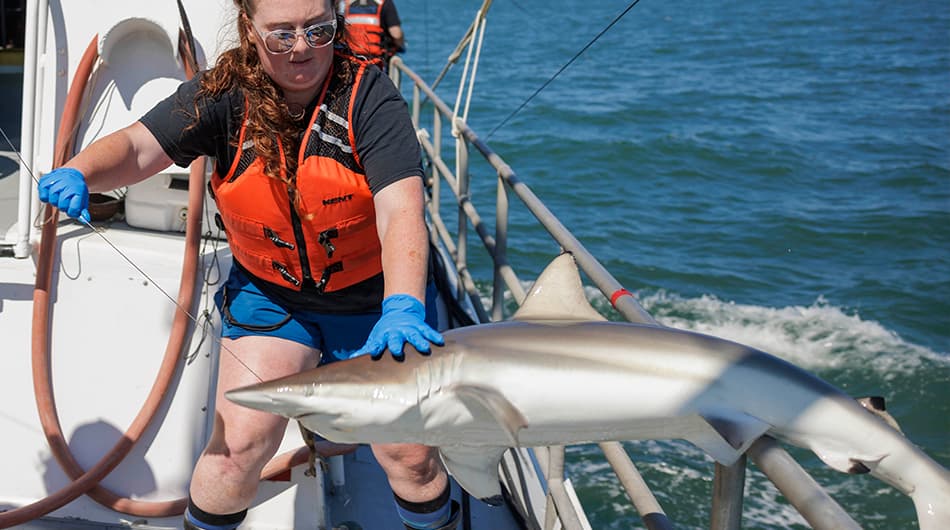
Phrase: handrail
(622, 299)
(818, 508)
(807, 496)
(32, 42)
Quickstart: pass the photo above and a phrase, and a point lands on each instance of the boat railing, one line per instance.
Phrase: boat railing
(563, 509)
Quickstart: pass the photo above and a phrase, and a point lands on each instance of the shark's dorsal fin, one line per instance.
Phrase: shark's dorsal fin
(476, 470)
(557, 296)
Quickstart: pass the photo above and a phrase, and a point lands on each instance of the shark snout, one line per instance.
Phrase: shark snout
(251, 398)
(277, 401)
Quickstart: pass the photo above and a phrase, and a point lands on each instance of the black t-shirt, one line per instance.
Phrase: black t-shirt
(389, 17)
(385, 141)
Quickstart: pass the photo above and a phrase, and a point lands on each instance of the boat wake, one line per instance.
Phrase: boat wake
(817, 337)
(821, 337)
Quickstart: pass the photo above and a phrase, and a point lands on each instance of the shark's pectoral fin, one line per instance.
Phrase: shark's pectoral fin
(476, 470)
(509, 418)
(844, 460)
(729, 434)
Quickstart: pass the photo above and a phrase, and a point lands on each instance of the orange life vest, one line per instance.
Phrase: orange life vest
(364, 28)
(329, 239)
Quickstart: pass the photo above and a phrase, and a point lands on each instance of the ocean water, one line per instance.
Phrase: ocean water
(774, 173)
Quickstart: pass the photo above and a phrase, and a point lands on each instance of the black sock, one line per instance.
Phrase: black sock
(424, 515)
(212, 521)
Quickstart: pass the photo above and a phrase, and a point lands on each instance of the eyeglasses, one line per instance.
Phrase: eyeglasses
(281, 41)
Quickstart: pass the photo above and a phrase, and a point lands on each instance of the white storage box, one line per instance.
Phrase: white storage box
(161, 203)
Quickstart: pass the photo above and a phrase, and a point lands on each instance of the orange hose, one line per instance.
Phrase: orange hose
(87, 481)
(163, 380)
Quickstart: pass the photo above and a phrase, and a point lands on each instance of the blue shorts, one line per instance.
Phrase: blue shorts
(246, 311)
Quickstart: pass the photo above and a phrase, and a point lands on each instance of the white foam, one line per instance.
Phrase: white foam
(818, 336)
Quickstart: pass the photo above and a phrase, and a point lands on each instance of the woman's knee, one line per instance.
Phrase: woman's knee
(243, 442)
(418, 460)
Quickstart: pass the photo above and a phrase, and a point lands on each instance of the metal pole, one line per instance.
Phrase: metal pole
(461, 173)
(557, 493)
(810, 499)
(436, 158)
(501, 252)
(415, 105)
(31, 46)
(728, 490)
(654, 518)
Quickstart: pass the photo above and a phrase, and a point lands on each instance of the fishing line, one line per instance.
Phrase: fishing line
(530, 18)
(567, 64)
(101, 234)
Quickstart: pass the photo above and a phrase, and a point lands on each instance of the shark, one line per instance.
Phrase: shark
(559, 373)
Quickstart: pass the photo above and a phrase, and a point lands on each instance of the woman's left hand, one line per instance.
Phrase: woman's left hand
(403, 321)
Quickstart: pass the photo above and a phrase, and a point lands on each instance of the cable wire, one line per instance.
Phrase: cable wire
(566, 65)
(135, 266)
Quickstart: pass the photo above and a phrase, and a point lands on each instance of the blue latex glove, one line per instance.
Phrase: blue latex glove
(403, 321)
(65, 188)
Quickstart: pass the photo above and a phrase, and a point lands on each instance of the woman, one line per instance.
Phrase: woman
(319, 187)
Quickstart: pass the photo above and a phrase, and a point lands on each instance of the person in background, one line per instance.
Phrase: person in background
(373, 29)
(320, 191)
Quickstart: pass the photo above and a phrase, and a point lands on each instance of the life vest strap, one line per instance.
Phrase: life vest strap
(282, 269)
(270, 234)
(324, 239)
(327, 272)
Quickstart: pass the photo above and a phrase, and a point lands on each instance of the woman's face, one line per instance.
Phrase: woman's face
(302, 71)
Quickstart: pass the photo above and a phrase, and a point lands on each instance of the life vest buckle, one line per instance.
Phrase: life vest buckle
(325, 237)
(327, 272)
(270, 234)
(282, 269)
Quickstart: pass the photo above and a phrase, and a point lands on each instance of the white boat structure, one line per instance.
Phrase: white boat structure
(101, 429)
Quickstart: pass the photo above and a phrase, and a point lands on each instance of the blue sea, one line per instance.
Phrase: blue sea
(776, 173)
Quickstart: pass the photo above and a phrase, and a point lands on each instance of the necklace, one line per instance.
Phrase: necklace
(295, 111)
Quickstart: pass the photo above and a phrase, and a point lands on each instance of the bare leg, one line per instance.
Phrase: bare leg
(415, 472)
(226, 476)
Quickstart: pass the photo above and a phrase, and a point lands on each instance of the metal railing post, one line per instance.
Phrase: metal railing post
(557, 494)
(728, 491)
(807, 496)
(501, 252)
(437, 157)
(654, 518)
(464, 192)
(416, 105)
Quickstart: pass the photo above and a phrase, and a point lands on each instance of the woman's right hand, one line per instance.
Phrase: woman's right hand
(65, 188)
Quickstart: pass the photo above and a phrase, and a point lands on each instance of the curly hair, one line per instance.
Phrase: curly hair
(268, 117)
